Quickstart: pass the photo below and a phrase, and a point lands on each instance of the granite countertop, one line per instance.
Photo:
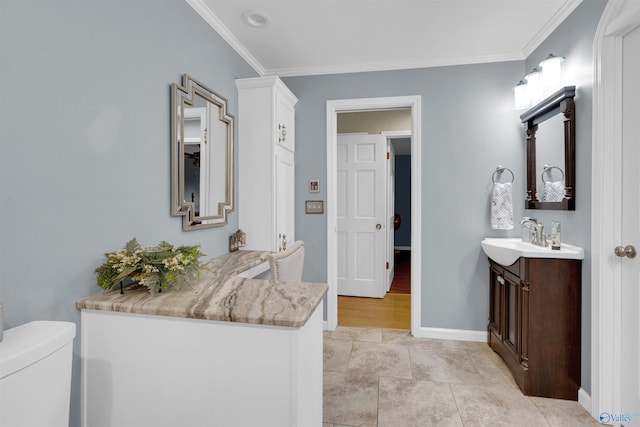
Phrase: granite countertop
(220, 294)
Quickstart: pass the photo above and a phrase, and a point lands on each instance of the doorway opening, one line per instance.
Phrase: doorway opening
(374, 194)
(412, 103)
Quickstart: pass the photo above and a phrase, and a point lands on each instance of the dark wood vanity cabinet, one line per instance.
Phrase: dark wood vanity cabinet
(534, 324)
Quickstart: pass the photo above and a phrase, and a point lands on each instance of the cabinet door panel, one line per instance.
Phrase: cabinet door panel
(512, 314)
(495, 309)
(284, 193)
(524, 337)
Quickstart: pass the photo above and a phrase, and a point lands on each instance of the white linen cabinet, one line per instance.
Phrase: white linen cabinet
(266, 148)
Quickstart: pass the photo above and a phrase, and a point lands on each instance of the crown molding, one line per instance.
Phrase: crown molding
(201, 9)
(550, 26)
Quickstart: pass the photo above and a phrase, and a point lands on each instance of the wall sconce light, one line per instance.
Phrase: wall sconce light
(521, 96)
(534, 85)
(552, 73)
(540, 82)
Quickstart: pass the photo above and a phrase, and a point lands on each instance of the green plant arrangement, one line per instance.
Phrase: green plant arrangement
(156, 267)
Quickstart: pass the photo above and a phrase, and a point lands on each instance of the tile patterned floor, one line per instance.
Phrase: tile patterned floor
(386, 378)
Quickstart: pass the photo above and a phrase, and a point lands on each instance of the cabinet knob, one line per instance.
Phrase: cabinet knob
(628, 251)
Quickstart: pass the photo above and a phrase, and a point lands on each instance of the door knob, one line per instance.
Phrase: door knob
(628, 251)
(378, 226)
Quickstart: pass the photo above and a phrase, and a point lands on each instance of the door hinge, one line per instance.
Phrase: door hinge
(388, 155)
(387, 265)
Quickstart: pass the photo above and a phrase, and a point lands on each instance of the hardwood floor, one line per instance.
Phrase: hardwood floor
(402, 276)
(392, 312)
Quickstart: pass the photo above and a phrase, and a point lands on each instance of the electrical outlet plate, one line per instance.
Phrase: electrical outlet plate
(314, 206)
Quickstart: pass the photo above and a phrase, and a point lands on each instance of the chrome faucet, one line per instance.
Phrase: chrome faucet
(539, 238)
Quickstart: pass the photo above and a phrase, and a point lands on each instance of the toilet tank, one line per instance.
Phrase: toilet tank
(35, 374)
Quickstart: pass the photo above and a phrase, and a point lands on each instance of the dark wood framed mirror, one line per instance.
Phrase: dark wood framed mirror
(550, 136)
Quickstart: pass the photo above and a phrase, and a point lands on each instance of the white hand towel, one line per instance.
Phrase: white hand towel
(501, 206)
(553, 191)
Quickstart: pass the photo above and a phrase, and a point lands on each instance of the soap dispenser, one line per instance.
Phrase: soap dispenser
(555, 235)
(527, 234)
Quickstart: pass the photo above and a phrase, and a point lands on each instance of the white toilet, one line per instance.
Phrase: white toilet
(35, 374)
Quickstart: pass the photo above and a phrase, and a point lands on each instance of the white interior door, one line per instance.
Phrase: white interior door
(630, 286)
(391, 209)
(361, 219)
(615, 281)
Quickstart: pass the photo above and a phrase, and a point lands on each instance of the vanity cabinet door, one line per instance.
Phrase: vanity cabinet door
(496, 295)
(513, 310)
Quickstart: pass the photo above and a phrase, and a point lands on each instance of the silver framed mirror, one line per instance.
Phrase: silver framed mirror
(202, 146)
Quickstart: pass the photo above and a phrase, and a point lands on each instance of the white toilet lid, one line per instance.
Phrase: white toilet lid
(28, 343)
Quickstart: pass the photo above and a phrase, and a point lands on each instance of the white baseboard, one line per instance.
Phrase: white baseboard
(584, 399)
(452, 334)
(445, 334)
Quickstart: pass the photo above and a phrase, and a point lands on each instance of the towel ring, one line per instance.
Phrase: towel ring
(500, 170)
(548, 168)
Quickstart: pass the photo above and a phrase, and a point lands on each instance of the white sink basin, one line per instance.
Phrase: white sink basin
(506, 251)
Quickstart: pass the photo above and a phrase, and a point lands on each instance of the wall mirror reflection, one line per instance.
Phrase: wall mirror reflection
(202, 147)
(550, 128)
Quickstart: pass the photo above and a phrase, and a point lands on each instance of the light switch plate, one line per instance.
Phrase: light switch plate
(314, 206)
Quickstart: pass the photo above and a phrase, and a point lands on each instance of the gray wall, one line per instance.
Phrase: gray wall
(84, 114)
(403, 200)
(574, 40)
(469, 126)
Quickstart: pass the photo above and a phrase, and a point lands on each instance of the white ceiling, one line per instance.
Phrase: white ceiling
(307, 37)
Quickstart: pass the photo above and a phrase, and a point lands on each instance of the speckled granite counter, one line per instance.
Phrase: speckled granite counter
(220, 294)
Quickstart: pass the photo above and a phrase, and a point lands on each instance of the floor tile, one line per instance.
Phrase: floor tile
(443, 364)
(336, 355)
(397, 336)
(408, 403)
(380, 359)
(491, 367)
(564, 413)
(350, 400)
(357, 334)
(464, 345)
(495, 405)
(386, 378)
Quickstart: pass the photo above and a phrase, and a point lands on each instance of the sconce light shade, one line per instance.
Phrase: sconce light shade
(534, 85)
(540, 82)
(521, 96)
(552, 73)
